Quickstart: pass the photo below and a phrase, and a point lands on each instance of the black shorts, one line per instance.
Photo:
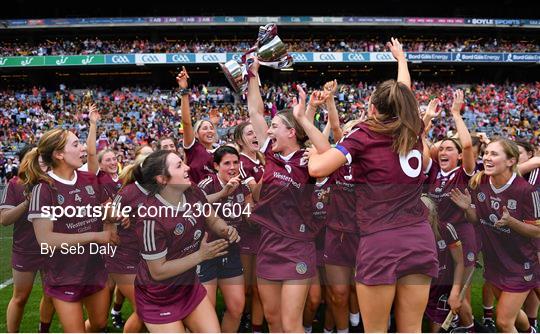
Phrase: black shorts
(226, 266)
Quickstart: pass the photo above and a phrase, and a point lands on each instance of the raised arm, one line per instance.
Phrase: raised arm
(529, 165)
(255, 103)
(333, 118)
(403, 71)
(469, 163)
(91, 150)
(431, 112)
(299, 110)
(189, 135)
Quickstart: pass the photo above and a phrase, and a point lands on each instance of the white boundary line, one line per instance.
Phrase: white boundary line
(6, 283)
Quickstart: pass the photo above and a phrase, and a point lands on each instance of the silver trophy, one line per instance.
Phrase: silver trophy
(269, 49)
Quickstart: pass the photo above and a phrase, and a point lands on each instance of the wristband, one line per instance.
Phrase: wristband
(184, 91)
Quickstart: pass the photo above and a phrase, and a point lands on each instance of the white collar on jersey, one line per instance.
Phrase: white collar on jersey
(503, 188)
(141, 188)
(445, 174)
(323, 181)
(256, 161)
(61, 180)
(115, 179)
(180, 206)
(287, 157)
(221, 182)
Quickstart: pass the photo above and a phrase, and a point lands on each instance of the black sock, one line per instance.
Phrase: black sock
(532, 321)
(44, 327)
(117, 307)
(488, 312)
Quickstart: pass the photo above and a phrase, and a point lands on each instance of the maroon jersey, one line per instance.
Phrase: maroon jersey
(24, 238)
(320, 201)
(388, 186)
(110, 184)
(230, 207)
(533, 178)
(200, 161)
(342, 208)
(440, 184)
(448, 239)
(284, 206)
(250, 168)
(440, 289)
(81, 268)
(173, 235)
(507, 254)
(132, 195)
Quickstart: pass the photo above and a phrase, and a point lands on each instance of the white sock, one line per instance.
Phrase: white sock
(354, 318)
(346, 330)
(308, 329)
(328, 330)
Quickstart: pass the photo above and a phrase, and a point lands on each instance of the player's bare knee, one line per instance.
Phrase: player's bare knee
(235, 308)
(20, 299)
(339, 297)
(505, 324)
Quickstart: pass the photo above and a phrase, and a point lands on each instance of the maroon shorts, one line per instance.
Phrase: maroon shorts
(72, 293)
(512, 283)
(340, 248)
(437, 308)
(166, 309)
(467, 235)
(76, 292)
(319, 247)
(125, 261)
(384, 257)
(28, 262)
(280, 258)
(249, 240)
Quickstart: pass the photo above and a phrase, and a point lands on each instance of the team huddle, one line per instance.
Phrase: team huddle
(368, 217)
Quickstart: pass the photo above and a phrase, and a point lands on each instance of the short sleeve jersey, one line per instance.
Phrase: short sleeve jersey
(506, 251)
(199, 160)
(174, 233)
(388, 185)
(81, 193)
(24, 238)
(284, 205)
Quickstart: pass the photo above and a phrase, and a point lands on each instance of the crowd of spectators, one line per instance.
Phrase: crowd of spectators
(87, 46)
(133, 116)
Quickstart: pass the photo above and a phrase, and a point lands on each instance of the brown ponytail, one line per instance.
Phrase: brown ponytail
(27, 168)
(53, 140)
(133, 172)
(397, 115)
